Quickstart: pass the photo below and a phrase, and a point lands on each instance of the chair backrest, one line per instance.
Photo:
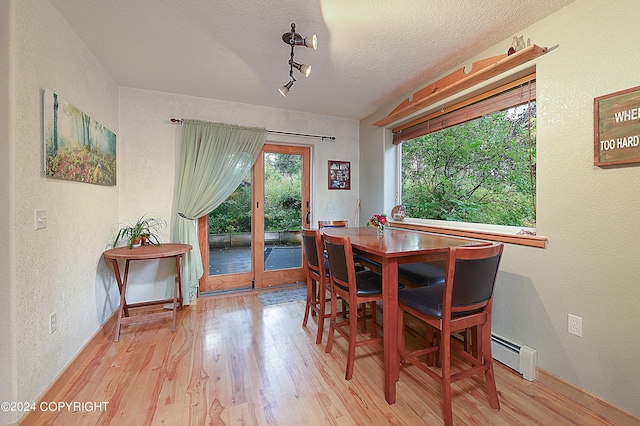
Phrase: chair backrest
(471, 277)
(313, 251)
(342, 223)
(341, 265)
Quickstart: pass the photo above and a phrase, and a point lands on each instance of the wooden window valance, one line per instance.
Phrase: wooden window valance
(461, 80)
(514, 93)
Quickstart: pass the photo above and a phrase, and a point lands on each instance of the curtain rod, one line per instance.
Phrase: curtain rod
(331, 138)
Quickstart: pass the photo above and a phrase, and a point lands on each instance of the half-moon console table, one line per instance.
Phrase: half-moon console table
(149, 252)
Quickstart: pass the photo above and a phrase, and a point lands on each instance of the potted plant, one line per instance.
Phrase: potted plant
(144, 231)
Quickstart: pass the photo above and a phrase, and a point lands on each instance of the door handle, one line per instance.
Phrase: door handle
(308, 217)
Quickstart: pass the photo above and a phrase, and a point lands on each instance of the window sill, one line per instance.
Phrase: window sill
(510, 238)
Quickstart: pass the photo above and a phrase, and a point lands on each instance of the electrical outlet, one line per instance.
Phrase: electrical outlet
(575, 325)
(53, 322)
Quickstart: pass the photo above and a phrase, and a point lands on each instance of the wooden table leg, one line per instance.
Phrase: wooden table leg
(180, 282)
(176, 290)
(124, 292)
(390, 327)
(122, 286)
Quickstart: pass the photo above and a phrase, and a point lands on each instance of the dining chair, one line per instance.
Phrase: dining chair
(464, 301)
(357, 288)
(424, 274)
(358, 261)
(341, 223)
(317, 279)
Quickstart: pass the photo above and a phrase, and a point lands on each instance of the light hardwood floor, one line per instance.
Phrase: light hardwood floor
(233, 361)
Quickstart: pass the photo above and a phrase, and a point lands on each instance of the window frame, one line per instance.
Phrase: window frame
(507, 234)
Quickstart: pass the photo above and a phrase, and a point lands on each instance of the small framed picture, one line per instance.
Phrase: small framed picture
(339, 174)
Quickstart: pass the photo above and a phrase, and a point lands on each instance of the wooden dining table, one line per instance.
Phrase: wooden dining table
(394, 247)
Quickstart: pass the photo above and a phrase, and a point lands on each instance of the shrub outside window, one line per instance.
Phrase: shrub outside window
(475, 164)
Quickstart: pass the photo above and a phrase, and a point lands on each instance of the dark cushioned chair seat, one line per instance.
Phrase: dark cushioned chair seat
(427, 300)
(368, 283)
(424, 274)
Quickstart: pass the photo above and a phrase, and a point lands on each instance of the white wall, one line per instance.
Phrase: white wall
(59, 268)
(149, 154)
(7, 270)
(589, 214)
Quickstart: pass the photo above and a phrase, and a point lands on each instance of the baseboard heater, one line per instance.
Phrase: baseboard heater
(520, 358)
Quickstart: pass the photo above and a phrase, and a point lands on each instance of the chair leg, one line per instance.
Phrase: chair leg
(307, 307)
(362, 310)
(435, 341)
(466, 339)
(445, 362)
(374, 310)
(351, 351)
(471, 341)
(488, 374)
(322, 300)
(431, 340)
(332, 321)
(314, 297)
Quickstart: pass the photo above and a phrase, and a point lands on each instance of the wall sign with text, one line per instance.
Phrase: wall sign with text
(617, 128)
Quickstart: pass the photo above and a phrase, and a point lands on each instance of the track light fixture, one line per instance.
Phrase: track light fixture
(294, 39)
(303, 68)
(285, 89)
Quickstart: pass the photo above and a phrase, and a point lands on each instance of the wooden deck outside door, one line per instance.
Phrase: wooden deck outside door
(258, 277)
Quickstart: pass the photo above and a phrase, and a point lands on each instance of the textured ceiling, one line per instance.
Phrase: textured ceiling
(370, 52)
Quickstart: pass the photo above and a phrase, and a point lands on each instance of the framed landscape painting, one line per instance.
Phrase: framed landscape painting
(76, 147)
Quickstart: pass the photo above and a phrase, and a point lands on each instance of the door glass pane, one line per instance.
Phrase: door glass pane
(230, 233)
(282, 211)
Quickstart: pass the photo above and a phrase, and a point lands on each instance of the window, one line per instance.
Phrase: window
(475, 163)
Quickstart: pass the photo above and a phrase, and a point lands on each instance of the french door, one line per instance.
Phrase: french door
(253, 239)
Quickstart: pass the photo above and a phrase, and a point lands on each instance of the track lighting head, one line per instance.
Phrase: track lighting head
(303, 68)
(311, 43)
(294, 39)
(285, 89)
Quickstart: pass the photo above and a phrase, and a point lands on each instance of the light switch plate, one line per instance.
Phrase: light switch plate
(40, 219)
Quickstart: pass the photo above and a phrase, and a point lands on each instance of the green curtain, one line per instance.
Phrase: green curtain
(214, 159)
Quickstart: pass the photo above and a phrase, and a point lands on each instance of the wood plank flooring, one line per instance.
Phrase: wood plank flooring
(234, 362)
